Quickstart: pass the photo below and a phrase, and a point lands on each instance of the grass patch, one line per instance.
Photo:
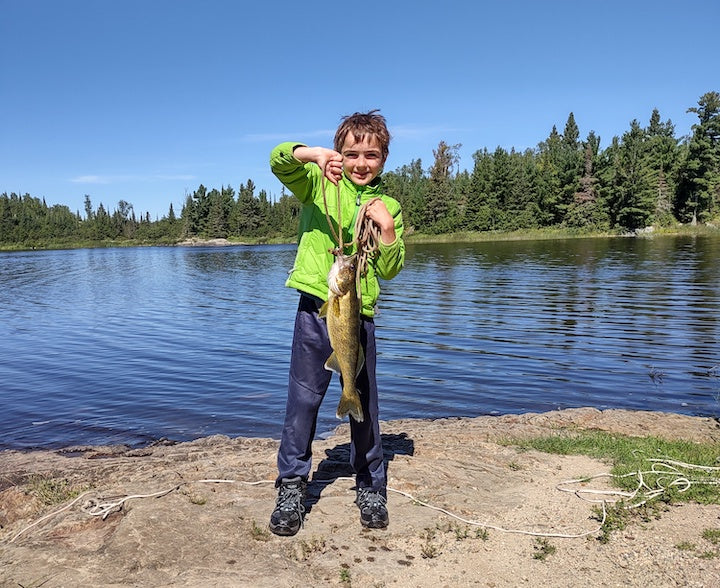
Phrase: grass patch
(643, 454)
(259, 533)
(712, 535)
(303, 549)
(52, 490)
(670, 471)
(543, 548)
(345, 578)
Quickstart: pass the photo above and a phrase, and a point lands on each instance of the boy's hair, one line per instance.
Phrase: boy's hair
(361, 124)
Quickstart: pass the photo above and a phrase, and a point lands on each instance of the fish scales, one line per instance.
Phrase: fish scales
(342, 313)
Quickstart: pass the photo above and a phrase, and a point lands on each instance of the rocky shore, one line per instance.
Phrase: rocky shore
(195, 513)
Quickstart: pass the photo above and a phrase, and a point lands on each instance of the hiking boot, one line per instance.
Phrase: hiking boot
(373, 508)
(287, 518)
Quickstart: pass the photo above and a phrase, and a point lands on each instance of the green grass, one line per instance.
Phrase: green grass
(664, 466)
(712, 535)
(543, 548)
(634, 454)
(259, 533)
(52, 490)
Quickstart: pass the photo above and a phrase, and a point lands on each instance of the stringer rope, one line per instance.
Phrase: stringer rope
(366, 236)
(667, 467)
(337, 235)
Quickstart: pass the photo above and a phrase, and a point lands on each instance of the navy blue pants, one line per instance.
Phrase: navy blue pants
(307, 384)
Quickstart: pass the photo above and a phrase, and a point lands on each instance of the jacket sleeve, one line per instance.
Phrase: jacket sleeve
(293, 173)
(392, 257)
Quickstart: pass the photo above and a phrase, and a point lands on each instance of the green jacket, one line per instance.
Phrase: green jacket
(315, 240)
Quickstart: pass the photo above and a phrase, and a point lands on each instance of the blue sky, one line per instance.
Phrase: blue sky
(144, 100)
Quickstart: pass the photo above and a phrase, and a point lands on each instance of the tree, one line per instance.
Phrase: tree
(483, 204)
(633, 200)
(195, 212)
(548, 181)
(439, 197)
(122, 222)
(570, 168)
(219, 208)
(285, 215)
(586, 211)
(700, 177)
(409, 185)
(246, 218)
(88, 208)
(662, 154)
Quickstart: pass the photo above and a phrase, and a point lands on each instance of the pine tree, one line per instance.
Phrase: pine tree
(700, 182)
(662, 153)
(482, 205)
(571, 162)
(409, 185)
(439, 197)
(634, 198)
(548, 182)
(586, 210)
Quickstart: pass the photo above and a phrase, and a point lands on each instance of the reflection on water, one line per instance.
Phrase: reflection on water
(528, 326)
(129, 345)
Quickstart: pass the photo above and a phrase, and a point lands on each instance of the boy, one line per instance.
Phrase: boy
(360, 151)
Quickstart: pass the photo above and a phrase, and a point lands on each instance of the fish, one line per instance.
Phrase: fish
(342, 313)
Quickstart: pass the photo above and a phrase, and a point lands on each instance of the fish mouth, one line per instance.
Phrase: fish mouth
(341, 274)
(332, 284)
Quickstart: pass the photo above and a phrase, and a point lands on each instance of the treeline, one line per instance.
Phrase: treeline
(27, 221)
(645, 177)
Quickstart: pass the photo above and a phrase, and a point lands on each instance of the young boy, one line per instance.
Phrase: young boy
(360, 150)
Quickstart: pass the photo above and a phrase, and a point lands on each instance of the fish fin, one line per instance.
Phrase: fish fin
(332, 364)
(322, 313)
(350, 405)
(360, 361)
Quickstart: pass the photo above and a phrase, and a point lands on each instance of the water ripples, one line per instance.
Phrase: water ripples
(129, 345)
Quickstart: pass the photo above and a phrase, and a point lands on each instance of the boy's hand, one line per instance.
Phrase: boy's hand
(378, 212)
(328, 160)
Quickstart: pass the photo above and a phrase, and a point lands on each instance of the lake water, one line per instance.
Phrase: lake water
(106, 346)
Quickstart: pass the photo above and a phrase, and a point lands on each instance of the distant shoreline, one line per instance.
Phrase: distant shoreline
(409, 237)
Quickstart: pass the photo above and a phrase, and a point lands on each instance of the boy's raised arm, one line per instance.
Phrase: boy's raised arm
(328, 160)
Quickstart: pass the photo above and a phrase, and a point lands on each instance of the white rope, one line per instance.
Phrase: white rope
(670, 475)
(103, 509)
(659, 466)
(504, 529)
(47, 516)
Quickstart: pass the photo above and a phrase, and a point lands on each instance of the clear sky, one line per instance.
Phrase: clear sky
(144, 100)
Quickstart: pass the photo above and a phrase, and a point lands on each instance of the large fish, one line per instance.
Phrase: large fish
(342, 312)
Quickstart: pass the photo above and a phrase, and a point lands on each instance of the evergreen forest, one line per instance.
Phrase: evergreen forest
(645, 177)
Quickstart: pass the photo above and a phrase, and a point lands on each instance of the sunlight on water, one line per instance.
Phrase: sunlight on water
(131, 345)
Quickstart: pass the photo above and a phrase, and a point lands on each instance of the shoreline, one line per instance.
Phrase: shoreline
(410, 237)
(195, 513)
(565, 417)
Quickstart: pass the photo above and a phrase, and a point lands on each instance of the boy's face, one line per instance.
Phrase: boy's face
(362, 160)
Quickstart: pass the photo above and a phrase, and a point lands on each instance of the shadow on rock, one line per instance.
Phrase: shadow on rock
(337, 464)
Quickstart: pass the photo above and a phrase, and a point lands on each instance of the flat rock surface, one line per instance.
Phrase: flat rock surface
(465, 510)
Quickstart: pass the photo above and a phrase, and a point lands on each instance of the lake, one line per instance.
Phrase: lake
(129, 345)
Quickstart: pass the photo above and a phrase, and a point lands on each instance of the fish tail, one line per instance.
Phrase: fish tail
(350, 405)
